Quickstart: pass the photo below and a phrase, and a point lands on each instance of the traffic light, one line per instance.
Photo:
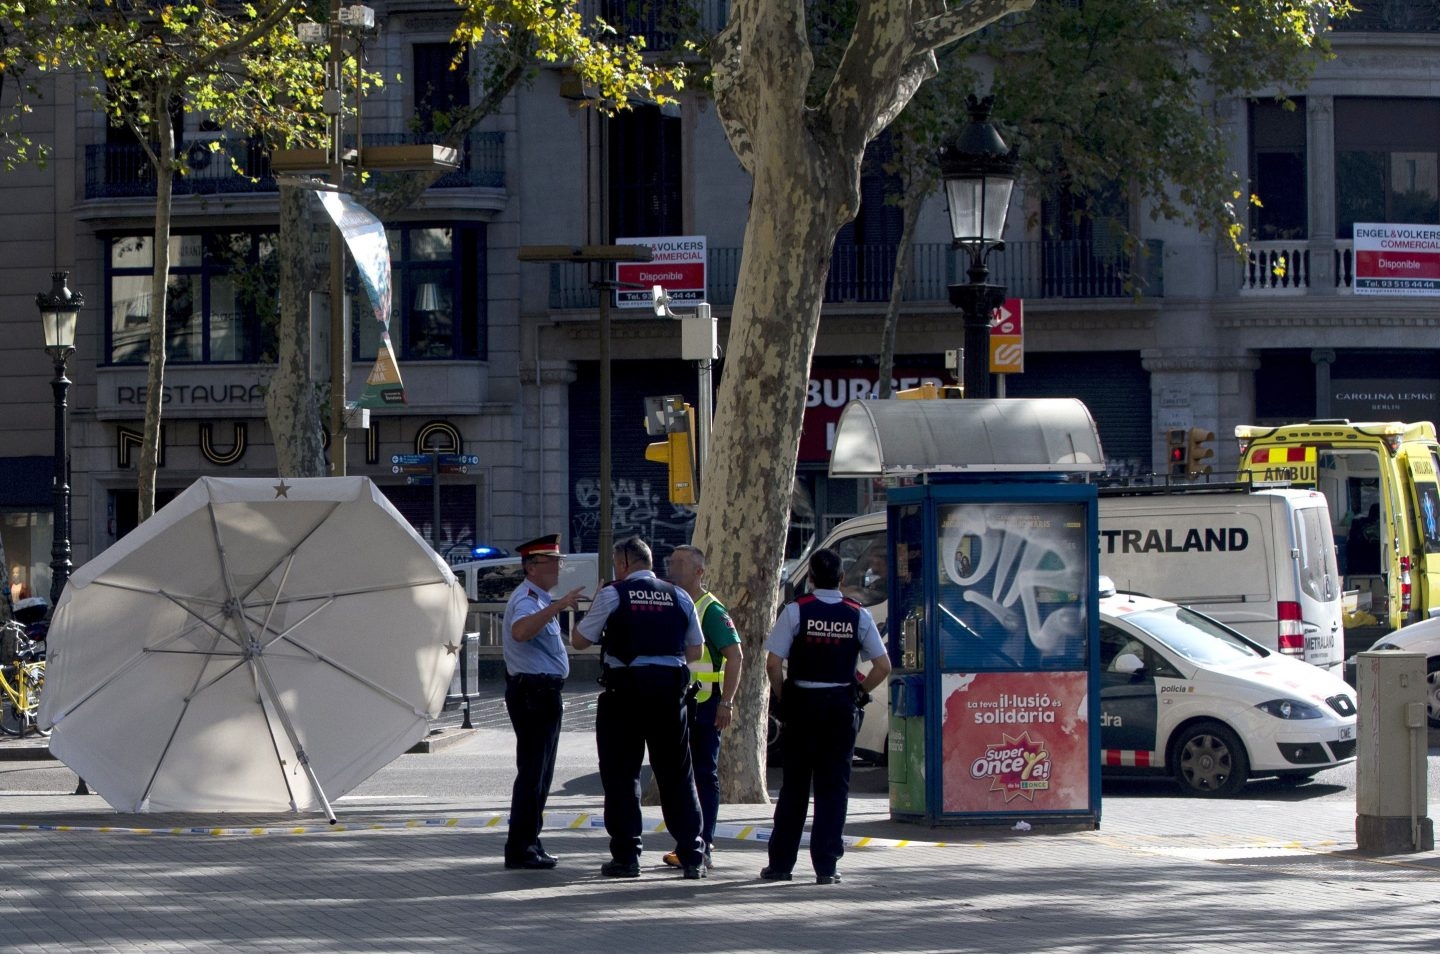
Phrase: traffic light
(1177, 451)
(675, 419)
(1196, 451)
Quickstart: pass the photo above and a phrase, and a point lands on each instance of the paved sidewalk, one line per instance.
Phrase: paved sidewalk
(1162, 873)
(415, 865)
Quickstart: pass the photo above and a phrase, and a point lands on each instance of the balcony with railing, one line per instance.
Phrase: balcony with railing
(122, 170)
(1292, 268)
(663, 23)
(863, 273)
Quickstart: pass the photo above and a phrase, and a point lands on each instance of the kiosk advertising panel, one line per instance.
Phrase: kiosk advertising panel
(1013, 629)
(1014, 741)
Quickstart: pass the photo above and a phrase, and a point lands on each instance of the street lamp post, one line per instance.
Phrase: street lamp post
(979, 174)
(59, 310)
(607, 255)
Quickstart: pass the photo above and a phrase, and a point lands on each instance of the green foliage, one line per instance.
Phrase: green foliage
(1086, 90)
(611, 68)
(25, 31)
(1121, 92)
(238, 64)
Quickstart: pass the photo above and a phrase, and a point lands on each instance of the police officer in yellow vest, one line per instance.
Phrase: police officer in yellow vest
(717, 673)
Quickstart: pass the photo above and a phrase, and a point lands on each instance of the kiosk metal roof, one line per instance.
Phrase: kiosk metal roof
(904, 437)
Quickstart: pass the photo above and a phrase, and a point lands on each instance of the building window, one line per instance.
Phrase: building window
(1277, 171)
(441, 84)
(219, 302)
(862, 263)
(438, 295)
(645, 174)
(1387, 154)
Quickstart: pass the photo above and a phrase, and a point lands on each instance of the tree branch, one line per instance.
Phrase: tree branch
(957, 22)
(761, 65)
(243, 42)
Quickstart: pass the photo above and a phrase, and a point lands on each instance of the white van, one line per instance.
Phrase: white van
(1262, 563)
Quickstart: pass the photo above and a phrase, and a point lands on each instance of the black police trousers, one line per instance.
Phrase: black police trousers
(535, 706)
(643, 708)
(820, 727)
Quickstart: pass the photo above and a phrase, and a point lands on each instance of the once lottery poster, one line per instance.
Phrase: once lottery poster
(1014, 742)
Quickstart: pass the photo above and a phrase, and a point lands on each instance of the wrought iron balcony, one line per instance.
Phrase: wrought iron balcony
(120, 171)
(862, 273)
(661, 22)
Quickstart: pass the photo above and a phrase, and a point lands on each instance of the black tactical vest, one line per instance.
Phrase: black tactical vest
(649, 621)
(826, 647)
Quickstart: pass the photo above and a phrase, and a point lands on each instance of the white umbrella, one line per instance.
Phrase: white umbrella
(257, 645)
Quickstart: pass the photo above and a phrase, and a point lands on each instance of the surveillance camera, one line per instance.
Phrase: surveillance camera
(659, 300)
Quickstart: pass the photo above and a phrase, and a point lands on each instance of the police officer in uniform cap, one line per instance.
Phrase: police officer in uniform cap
(823, 636)
(647, 631)
(536, 665)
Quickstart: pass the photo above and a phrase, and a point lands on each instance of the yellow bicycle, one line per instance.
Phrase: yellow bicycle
(22, 677)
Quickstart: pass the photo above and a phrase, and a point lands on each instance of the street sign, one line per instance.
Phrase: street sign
(454, 469)
(1007, 338)
(410, 459)
(676, 262)
(457, 460)
(419, 480)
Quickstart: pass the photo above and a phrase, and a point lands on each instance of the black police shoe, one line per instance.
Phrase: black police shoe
(774, 874)
(694, 872)
(828, 878)
(620, 869)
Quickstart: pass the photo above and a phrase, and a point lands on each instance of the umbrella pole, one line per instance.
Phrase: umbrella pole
(263, 674)
(315, 783)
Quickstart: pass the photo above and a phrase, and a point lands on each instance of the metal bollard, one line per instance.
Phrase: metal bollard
(1390, 779)
(465, 678)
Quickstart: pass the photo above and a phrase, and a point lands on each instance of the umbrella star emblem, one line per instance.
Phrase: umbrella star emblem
(452, 648)
(282, 489)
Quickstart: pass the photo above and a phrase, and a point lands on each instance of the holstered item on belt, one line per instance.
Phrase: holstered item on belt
(691, 706)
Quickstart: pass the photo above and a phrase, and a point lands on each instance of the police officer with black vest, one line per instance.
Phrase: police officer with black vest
(647, 631)
(823, 636)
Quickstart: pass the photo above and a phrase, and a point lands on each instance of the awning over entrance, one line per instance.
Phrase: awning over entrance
(902, 437)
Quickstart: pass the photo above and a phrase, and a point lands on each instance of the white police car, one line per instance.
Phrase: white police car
(1186, 696)
(1422, 637)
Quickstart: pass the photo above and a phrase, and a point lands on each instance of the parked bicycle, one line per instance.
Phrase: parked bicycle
(22, 677)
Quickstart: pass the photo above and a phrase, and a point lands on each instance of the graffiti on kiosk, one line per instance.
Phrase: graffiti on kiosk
(635, 507)
(1023, 567)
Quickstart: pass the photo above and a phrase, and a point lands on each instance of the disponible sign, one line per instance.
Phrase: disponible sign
(676, 262)
(1397, 259)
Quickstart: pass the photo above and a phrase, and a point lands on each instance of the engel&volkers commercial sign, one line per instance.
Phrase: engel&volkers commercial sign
(1397, 259)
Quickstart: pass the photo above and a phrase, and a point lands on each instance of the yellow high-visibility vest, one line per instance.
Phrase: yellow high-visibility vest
(708, 672)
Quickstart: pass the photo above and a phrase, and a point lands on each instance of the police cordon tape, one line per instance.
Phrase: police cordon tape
(573, 821)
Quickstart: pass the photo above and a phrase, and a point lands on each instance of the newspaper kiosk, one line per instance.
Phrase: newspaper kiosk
(994, 700)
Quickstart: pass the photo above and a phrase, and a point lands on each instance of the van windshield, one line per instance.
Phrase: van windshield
(1195, 636)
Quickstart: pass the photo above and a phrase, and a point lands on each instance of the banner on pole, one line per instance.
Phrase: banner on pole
(364, 235)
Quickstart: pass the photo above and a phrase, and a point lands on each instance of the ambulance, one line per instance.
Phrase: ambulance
(1380, 481)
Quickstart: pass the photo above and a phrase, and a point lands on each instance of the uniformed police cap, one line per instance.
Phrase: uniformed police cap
(548, 545)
